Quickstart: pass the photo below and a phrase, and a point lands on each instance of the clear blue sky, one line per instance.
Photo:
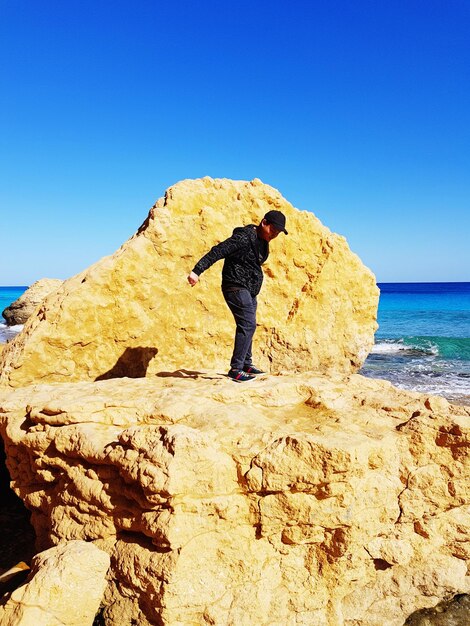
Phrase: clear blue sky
(358, 111)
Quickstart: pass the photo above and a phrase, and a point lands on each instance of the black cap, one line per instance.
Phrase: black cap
(277, 219)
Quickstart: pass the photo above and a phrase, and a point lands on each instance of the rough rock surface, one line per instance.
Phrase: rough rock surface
(65, 588)
(134, 313)
(294, 500)
(21, 310)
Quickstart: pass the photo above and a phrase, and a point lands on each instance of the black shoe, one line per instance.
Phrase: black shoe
(239, 376)
(251, 369)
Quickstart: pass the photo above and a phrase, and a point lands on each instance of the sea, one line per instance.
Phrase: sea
(423, 340)
(422, 343)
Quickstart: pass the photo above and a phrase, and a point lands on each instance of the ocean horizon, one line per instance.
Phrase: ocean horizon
(422, 343)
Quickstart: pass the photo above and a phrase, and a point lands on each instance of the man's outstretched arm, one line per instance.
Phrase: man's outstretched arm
(216, 253)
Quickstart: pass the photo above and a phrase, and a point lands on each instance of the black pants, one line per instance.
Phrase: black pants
(243, 307)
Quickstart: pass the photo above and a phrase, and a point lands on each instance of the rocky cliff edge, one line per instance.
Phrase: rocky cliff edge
(291, 500)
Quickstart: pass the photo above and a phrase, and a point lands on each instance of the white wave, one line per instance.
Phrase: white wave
(451, 387)
(8, 332)
(387, 347)
(15, 329)
(394, 347)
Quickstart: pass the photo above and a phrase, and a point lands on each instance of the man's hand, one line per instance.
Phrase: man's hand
(193, 279)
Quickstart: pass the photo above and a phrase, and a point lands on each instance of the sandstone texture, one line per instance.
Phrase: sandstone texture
(21, 310)
(292, 500)
(134, 314)
(65, 588)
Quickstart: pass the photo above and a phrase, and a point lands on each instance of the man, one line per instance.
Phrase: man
(244, 253)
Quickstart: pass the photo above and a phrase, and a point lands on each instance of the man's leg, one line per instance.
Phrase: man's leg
(243, 307)
(249, 355)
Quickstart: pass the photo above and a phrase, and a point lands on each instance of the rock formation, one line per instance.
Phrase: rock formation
(64, 589)
(290, 500)
(314, 498)
(21, 310)
(134, 314)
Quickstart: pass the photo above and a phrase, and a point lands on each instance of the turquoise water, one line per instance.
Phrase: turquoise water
(423, 340)
(9, 295)
(422, 344)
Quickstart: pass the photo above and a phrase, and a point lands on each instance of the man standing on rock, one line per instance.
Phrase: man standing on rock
(244, 253)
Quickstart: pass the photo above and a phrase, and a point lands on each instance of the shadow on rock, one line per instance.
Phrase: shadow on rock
(133, 363)
(454, 612)
(17, 536)
(182, 373)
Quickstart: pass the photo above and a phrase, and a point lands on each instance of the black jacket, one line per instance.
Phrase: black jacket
(244, 253)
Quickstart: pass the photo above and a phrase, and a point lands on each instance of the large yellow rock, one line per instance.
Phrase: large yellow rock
(290, 500)
(134, 314)
(65, 588)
